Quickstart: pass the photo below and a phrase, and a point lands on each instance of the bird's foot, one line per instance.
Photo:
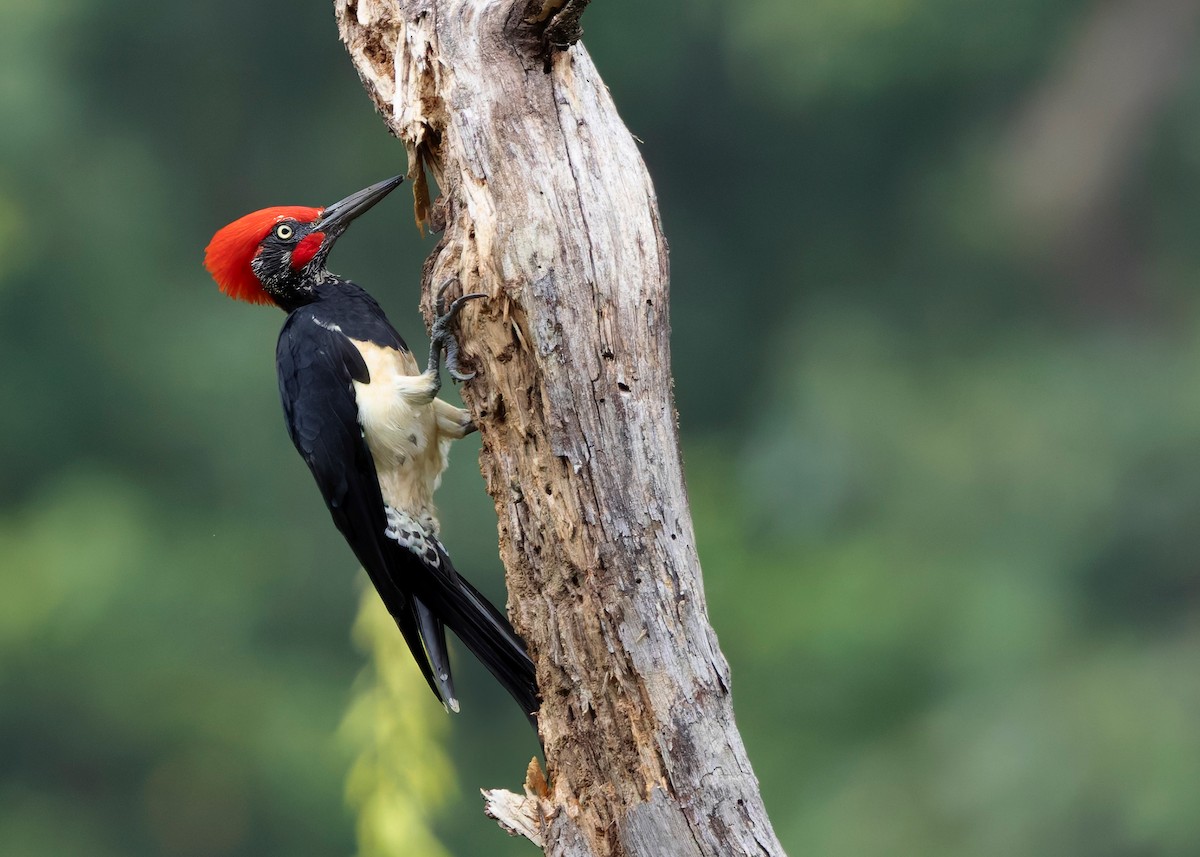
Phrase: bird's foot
(442, 337)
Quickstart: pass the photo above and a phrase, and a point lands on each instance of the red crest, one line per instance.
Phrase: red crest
(231, 250)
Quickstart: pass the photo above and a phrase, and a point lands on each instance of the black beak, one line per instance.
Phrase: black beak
(335, 218)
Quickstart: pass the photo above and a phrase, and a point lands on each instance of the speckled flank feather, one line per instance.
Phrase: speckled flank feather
(419, 536)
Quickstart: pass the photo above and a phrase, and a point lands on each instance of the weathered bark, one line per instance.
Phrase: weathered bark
(547, 208)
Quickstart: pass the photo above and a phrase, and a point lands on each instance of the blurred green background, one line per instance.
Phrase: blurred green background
(937, 358)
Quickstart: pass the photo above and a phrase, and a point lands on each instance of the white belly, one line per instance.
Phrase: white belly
(399, 423)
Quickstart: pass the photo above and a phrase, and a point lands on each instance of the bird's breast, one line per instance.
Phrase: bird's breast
(400, 427)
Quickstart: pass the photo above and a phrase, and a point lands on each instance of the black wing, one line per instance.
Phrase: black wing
(317, 366)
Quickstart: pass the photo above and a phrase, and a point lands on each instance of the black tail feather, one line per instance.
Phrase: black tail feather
(483, 629)
(404, 612)
(421, 599)
(433, 635)
(490, 637)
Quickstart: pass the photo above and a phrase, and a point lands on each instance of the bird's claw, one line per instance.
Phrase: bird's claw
(452, 363)
(442, 337)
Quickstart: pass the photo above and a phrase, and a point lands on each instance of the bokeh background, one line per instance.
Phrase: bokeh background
(938, 371)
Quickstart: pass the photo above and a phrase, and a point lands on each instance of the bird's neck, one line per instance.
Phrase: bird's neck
(302, 291)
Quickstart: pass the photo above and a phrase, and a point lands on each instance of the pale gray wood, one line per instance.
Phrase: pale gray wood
(659, 820)
(548, 209)
(518, 815)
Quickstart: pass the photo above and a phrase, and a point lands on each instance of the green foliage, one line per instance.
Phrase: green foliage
(944, 476)
(986, 568)
(401, 776)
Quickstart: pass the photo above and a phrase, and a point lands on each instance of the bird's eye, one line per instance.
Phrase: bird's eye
(284, 231)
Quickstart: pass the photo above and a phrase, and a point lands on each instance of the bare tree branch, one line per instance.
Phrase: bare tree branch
(547, 208)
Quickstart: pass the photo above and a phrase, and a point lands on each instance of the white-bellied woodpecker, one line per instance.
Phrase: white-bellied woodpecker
(368, 423)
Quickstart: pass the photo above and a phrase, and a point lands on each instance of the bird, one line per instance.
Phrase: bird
(367, 421)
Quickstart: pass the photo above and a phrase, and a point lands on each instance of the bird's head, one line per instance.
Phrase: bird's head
(277, 255)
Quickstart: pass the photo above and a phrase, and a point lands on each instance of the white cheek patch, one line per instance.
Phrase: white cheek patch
(417, 536)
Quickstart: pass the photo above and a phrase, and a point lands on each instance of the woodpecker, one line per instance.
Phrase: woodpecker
(368, 423)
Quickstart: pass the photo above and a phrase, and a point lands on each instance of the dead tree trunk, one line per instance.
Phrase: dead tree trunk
(546, 207)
